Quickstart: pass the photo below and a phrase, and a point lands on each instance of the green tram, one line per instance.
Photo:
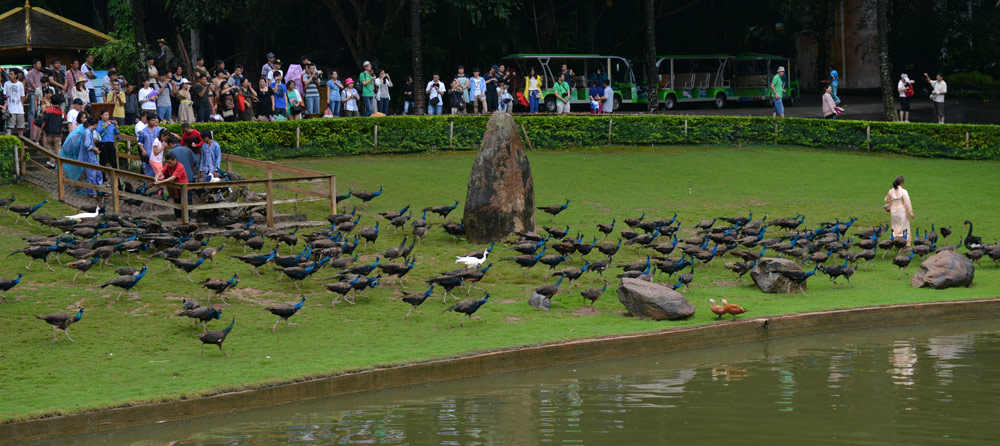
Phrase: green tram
(585, 68)
(722, 78)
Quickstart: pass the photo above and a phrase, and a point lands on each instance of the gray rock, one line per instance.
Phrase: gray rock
(769, 280)
(650, 300)
(945, 269)
(538, 301)
(501, 196)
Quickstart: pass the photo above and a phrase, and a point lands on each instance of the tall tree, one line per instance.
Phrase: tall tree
(885, 79)
(418, 62)
(651, 75)
(363, 23)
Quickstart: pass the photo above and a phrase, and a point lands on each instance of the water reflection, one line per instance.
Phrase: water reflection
(940, 386)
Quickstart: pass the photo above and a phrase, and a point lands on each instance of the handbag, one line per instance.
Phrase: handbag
(886, 207)
(435, 100)
(909, 91)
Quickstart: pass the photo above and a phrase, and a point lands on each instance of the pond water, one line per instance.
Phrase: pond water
(924, 384)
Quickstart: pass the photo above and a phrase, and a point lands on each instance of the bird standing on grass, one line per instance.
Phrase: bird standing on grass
(61, 321)
(187, 266)
(366, 196)
(126, 283)
(285, 311)
(25, 211)
(719, 310)
(216, 337)
(82, 266)
(902, 261)
(592, 294)
(257, 260)
(220, 286)
(554, 209)
(201, 314)
(467, 307)
(8, 284)
(415, 299)
(733, 309)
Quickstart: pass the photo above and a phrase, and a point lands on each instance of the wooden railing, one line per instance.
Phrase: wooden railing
(270, 184)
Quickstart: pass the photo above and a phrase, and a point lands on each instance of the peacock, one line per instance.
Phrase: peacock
(6, 202)
(126, 283)
(285, 311)
(606, 229)
(467, 307)
(902, 261)
(257, 260)
(415, 300)
(219, 286)
(554, 209)
(8, 284)
(202, 314)
(61, 321)
(187, 266)
(443, 211)
(592, 294)
(38, 252)
(216, 337)
(82, 266)
(366, 196)
(447, 282)
(25, 211)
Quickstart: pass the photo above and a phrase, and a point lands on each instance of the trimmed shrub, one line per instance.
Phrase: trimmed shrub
(7, 150)
(412, 134)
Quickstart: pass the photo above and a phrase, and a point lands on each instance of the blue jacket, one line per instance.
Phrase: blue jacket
(147, 136)
(211, 157)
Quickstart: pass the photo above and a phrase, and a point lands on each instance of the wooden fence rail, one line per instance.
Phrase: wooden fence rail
(298, 175)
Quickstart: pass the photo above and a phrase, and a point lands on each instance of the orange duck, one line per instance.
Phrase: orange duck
(732, 309)
(717, 309)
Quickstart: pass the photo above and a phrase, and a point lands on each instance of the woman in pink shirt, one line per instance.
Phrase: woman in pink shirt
(897, 203)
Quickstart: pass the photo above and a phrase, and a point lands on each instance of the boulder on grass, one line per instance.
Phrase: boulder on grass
(649, 300)
(767, 277)
(945, 269)
(501, 196)
(539, 301)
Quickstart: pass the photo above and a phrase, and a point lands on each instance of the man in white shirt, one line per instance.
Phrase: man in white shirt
(88, 70)
(609, 97)
(142, 122)
(14, 90)
(435, 91)
(939, 89)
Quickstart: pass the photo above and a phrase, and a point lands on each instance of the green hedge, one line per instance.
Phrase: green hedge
(7, 144)
(408, 134)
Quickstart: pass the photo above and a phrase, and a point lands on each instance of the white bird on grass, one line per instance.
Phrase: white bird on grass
(472, 262)
(85, 215)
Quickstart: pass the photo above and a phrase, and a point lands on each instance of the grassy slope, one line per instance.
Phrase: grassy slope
(137, 350)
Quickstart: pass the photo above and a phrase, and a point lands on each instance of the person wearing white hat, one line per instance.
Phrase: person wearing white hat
(905, 88)
(777, 90)
(185, 112)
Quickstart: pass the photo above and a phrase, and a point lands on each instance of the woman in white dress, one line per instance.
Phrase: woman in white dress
(897, 203)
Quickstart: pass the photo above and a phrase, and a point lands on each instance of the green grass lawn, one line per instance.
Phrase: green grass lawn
(138, 351)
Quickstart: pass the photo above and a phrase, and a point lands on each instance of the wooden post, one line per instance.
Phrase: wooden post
(298, 132)
(269, 173)
(184, 204)
(966, 140)
(776, 132)
(60, 183)
(685, 129)
(376, 137)
(451, 134)
(610, 123)
(736, 135)
(17, 158)
(114, 192)
(333, 195)
(270, 204)
(868, 137)
(229, 166)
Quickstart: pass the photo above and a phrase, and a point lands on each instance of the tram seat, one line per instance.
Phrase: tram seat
(703, 80)
(686, 80)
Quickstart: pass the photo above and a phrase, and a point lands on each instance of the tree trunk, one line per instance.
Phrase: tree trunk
(885, 78)
(418, 63)
(182, 54)
(195, 47)
(138, 25)
(651, 71)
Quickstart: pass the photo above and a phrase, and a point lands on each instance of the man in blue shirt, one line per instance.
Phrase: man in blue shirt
(211, 156)
(146, 138)
(834, 82)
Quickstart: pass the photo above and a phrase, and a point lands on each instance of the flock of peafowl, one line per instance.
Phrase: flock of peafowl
(655, 247)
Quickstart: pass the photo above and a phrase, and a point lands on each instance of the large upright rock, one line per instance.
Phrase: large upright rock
(945, 269)
(649, 300)
(501, 195)
(767, 277)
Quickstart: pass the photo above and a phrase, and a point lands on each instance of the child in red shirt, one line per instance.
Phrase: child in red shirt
(173, 171)
(52, 125)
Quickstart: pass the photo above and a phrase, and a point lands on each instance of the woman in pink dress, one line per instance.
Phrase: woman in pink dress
(897, 203)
